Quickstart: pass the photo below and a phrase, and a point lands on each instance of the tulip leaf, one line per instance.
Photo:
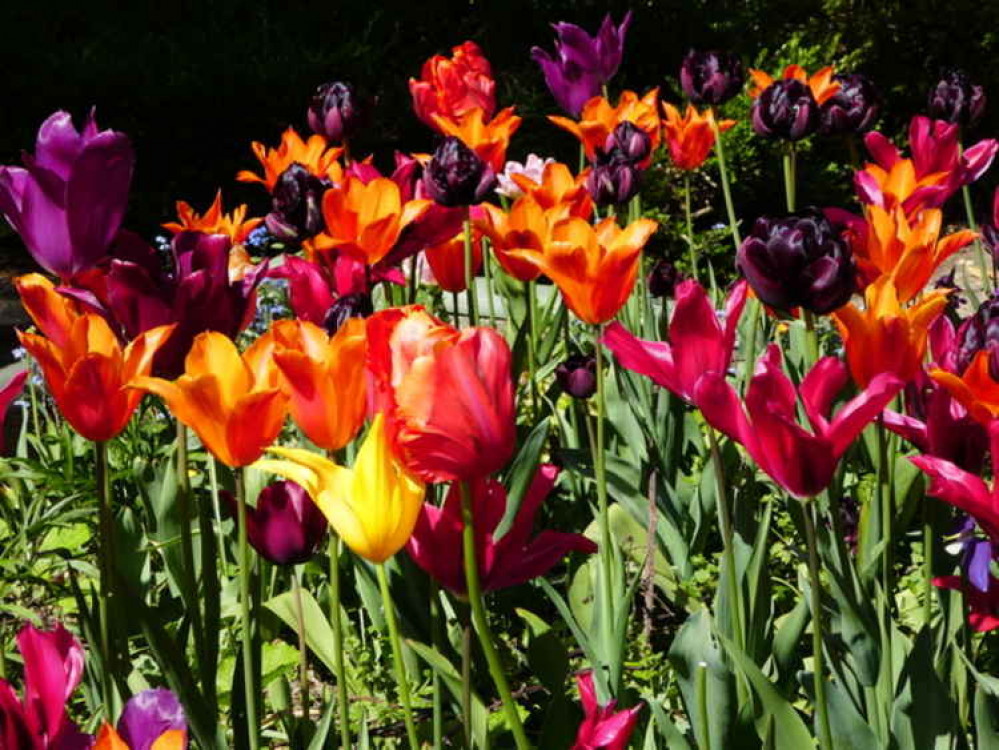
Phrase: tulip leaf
(662, 726)
(452, 678)
(923, 716)
(323, 727)
(521, 473)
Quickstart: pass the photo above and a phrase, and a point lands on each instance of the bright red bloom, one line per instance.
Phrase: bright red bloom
(513, 559)
(450, 87)
(801, 462)
(698, 341)
(983, 606)
(447, 261)
(602, 726)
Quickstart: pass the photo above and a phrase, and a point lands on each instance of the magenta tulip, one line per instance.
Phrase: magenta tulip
(8, 393)
(286, 526)
(602, 726)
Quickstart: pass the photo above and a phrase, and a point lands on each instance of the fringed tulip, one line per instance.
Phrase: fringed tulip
(233, 225)
(786, 110)
(373, 506)
(314, 154)
(602, 726)
(233, 402)
(456, 176)
(700, 341)
(447, 261)
(690, 137)
(957, 100)
(489, 140)
(68, 201)
(87, 372)
(448, 88)
(801, 462)
(711, 77)
(515, 558)
(598, 119)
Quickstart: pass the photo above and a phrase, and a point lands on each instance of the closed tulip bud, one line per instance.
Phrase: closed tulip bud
(852, 109)
(978, 333)
(456, 176)
(297, 205)
(663, 279)
(285, 527)
(336, 111)
(577, 376)
(627, 144)
(345, 307)
(787, 110)
(613, 184)
(957, 100)
(711, 77)
(798, 261)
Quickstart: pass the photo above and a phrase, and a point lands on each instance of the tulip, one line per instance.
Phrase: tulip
(613, 184)
(347, 307)
(447, 261)
(983, 606)
(990, 229)
(151, 720)
(957, 100)
(8, 393)
(801, 462)
(787, 110)
(448, 394)
(699, 341)
(53, 667)
(691, 137)
(456, 176)
(450, 87)
(598, 120)
(87, 372)
(663, 279)
(595, 268)
(711, 77)
(980, 332)
(233, 225)
(285, 527)
(532, 169)
(489, 140)
(852, 109)
(314, 154)
(976, 389)
(627, 144)
(558, 189)
(577, 376)
(68, 201)
(372, 507)
(822, 84)
(977, 552)
(798, 260)
(323, 377)
(310, 292)
(571, 85)
(231, 401)
(602, 726)
(336, 111)
(524, 230)
(886, 337)
(296, 212)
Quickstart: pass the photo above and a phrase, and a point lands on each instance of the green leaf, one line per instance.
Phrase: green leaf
(520, 475)
(923, 716)
(452, 678)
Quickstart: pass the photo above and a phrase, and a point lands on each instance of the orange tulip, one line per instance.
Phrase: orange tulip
(233, 402)
(521, 232)
(366, 220)
(594, 267)
(312, 154)
(323, 377)
(558, 187)
(976, 389)
(450, 87)
(821, 83)
(691, 136)
(234, 225)
(906, 249)
(598, 120)
(447, 261)
(887, 337)
(109, 739)
(85, 368)
(488, 140)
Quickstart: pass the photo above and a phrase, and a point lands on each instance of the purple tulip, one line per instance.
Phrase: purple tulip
(711, 77)
(980, 332)
(852, 109)
(956, 99)
(296, 205)
(356, 305)
(627, 144)
(68, 201)
(786, 109)
(581, 63)
(336, 111)
(149, 714)
(456, 176)
(663, 279)
(577, 375)
(286, 526)
(613, 183)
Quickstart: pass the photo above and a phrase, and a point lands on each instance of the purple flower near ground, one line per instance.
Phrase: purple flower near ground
(149, 714)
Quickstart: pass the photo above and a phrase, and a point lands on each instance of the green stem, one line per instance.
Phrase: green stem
(811, 338)
(473, 304)
(249, 689)
(928, 536)
(532, 353)
(414, 279)
(400, 665)
(466, 682)
(983, 265)
(703, 721)
(457, 316)
(437, 639)
(213, 478)
(790, 176)
(690, 225)
(343, 704)
(303, 664)
(606, 541)
(105, 552)
(487, 268)
(726, 190)
(482, 623)
(815, 583)
(187, 545)
(725, 526)
(884, 498)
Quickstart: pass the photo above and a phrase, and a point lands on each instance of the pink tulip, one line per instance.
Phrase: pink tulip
(602, 726)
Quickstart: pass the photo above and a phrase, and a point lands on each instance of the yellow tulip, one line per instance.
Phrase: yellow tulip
(373, 507)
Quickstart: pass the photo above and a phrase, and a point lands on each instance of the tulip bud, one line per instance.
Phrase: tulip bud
(980, 332)
(663, 279)
(627, 144)
(577, 376)
(613, 184)
(456, 176)
(957, 100)
(852, 109)
(336, 111)
(786, 109)
(356, 305)
(798, 261)
(297, 205)
(711, 77)
(286, 527)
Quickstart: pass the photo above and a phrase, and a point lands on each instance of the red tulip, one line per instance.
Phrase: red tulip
(983, 606)
(602, 726)
(801, 462)
(513, 559)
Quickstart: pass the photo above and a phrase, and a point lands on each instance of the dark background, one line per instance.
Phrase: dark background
(194, 82)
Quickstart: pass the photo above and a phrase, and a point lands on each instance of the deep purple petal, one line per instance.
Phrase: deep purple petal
(149, 714)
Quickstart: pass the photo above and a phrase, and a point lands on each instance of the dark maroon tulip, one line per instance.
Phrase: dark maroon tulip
(787, 110)
(296, 205)
(711, 77)
(957, 100)
(149, 714)
(577, 375)
(663, 279)
(286, 526)
(852, 109)
(613, 184)
(456, 176)
(979, 333)
(336, 111)
(627, 144)
(68, 201)
(356, 305)
(798, 260)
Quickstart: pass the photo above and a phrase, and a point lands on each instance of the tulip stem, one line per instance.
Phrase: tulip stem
(303, 676)
(790, 177)
(690, 225)
(815, 584)
(726, 190)
(187, 545)
(105, 552)
(606, 542)
(481, 621)
(703, 720)
(487, 270)
(343, 706)
(454, 303)
(983, 265)
(473, 304)
(400, 665)
(437, 639)
(725, 526)
(213, 479)
(466, 681)
(811, 338)
(532, 333)
(249, 689)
